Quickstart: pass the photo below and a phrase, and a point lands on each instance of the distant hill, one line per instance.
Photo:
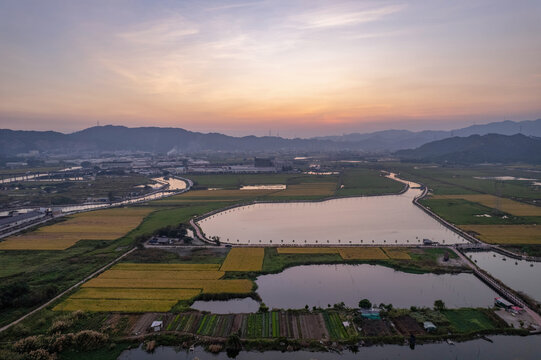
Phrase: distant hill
(392, 140)
(475, 149)
(149, 139)
(162, 140)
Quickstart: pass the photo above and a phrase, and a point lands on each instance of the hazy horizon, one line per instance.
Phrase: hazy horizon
(296, 68)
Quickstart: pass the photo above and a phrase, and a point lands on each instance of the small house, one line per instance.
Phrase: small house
(501, 302)
(371, 314)
(429, 326)
(157, 325)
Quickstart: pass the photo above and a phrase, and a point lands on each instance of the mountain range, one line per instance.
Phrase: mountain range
(163, 140)
(478, 149)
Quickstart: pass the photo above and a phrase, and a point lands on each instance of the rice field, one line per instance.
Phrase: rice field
(166, 267)
(350, 253)
(109, 224)
(506, 234)
(307, 250)
(124, 305)
(141, 294)
(158, 287)
(503, 204)
(397, 254)
(362, 253)
(162, 275)
(244, 259)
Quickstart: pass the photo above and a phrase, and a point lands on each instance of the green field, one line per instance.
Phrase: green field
(357, 182)
(469, 320)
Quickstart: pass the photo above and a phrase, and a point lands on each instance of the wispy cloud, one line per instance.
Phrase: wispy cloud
(329, 18)
(164, 31)
(235, 6)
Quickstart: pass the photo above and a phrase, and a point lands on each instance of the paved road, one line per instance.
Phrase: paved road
(102, 269)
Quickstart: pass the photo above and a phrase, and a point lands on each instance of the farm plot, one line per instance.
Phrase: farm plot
(408, 325)
(469, 320)
(307, 250)
(362, 253)
(503, 204)
(153, 287)
(376, 327)
(397, 254)
(334, 325)
(244, 259)
(109, 224)
(506, 234)
(307, 189)
(166, 267)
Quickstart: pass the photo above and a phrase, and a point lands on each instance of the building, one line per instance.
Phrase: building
(263, 162)
(157, 325)
(110, 165)
(501, 302)
(16, 219)
(371, 314)
(429, 326)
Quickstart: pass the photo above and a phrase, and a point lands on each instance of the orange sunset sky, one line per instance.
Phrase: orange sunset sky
(297, 68)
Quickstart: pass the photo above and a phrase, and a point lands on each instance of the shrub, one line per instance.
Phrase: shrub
(89, 339)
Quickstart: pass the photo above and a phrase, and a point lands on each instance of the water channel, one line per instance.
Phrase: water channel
(519, 275)
(502, 348)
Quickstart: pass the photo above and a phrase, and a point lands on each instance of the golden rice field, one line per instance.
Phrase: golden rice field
(244, 259)
(162, 275)
(503, 204)
(208, 286)
(307, 250)
(362, 253)
(166, 267)
(134, 287)
(349, 253)
(506, 234)
(109, 224)
(125, 305)
(143, 294)
(397, 254)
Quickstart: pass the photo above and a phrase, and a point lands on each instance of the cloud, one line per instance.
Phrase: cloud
(235, 6)
(329, 18)
(164, 31)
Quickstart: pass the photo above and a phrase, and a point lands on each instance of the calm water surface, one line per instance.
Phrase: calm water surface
(503, 348)
(519, 275)
(320, 285)
(233, 306)
(389, 219)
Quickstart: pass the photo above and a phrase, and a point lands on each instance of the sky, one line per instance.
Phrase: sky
(289, 68)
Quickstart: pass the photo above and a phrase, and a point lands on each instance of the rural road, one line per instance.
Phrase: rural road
(102, 269)
(500, 289)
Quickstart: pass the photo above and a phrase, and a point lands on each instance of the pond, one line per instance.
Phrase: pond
(502, 348)
(320, 285)
(233, 306)
(389, 219)
(519, 275)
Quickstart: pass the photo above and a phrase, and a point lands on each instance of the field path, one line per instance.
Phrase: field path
(102, 269)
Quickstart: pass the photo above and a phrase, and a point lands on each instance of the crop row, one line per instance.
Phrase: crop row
(334, 325)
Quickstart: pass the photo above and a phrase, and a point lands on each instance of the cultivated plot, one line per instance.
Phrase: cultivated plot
(244, 259)
(109, 224)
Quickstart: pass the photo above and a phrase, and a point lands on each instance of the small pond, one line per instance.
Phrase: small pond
(233, 306)
(320, 285)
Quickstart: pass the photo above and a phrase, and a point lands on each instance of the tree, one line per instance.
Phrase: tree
(263, 308)
(439, 305)
(365, 304)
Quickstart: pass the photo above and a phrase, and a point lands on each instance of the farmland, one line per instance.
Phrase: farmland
(503, 204)
(347, 253)
(506, 234)
(244, 259)
(165, 284)
(108, 224)
(357, 182)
